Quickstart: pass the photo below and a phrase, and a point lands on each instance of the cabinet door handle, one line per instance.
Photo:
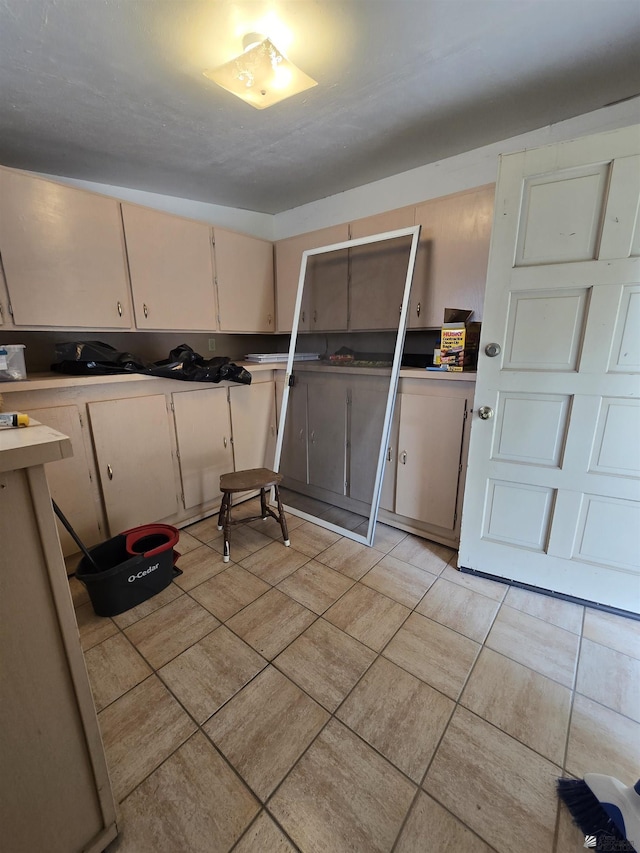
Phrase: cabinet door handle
(110, 472)
(315, 316)
(301, 434)
(400, 310)
(119, 304)
(403, 457)
(313, 436)
(269, 319)
(418, 309)
(303, 316)
(273, 429)
(145, 310)
(224, 441)
(389, 454)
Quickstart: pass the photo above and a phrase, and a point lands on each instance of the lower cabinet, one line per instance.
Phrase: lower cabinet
(70, 480)
(203, 433)
(253, 425)
(133, 450)
(428, 458)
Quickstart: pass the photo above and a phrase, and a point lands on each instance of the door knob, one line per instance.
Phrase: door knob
(492, 350)
(485, 412)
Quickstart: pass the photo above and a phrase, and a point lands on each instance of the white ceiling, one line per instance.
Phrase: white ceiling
(112, 90)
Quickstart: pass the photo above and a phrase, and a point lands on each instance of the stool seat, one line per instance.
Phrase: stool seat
(247, 481)
(252, 478)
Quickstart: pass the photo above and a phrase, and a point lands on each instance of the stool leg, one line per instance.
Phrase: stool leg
(263, 505)
(282, 519)
(227, 524)
(222, 508)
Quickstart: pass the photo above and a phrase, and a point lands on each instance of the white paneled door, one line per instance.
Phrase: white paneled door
(553, 496)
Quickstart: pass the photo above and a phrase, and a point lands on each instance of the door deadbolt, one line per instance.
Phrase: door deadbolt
(492, 350)
(485, 412)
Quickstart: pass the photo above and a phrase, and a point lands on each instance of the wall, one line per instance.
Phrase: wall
(464, 171)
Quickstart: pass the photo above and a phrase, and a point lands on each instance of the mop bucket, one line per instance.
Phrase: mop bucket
(130, 568)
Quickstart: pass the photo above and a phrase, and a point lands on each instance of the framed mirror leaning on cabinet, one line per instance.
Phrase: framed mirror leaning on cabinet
(341, 379)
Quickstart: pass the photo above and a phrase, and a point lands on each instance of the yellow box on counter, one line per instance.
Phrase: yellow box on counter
(459, 340)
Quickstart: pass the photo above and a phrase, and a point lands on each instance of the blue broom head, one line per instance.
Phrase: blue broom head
(588, 814)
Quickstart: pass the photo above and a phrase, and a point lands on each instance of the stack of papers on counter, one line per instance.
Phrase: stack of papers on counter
(262, 357)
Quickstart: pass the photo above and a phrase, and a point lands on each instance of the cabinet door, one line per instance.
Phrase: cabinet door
(70, 479)
(133, 448)
(327, 421)
(63, 255)
(378, 272)
(367, 409)
(293, 456)
(288, 257)
(253, 425)
(244, 273)
(430, 446)
(388, 494)
(203, 430)
(451, 265)
(325, 301)
(171, 268)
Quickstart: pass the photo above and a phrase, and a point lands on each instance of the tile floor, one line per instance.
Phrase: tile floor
(330, 697)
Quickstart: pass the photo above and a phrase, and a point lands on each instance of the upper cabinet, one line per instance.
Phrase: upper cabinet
(451, 266)
(244, 276)
(171, 268)
(288, 257)
(63, 255)
(378, 271)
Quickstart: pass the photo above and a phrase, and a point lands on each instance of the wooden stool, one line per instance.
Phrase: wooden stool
(249, 481)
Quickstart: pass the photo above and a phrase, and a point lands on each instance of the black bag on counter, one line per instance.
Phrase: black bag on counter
(95, 358)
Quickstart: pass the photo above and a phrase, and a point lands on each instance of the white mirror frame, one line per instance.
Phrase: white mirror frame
(414, 232)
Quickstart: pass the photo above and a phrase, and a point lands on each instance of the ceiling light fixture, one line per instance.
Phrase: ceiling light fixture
(262, 75)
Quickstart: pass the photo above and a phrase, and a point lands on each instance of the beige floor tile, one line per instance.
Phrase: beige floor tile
(244, 540)
(434, 653)
(198, 566)
(399, 715)
(165, 596)
(212, 671)
(272, 529)
(263, 836)
(615, 632)
(399, 580)
(368, 616)
(140, 730)
(274, 562)
(206, 530)
(186, 543)
(445, 833)
(422, 553)
(492, 589)
(316, 586)
(342, 797)
(193, 803)
(385, 538)
(564, 614)
(265, 728)
(350, 558)
(325, 662)
(93, 629)
(459, 608)
(530, 707)
(539, 645)
(602, 741)
(498, 787)
(165, 633)
(114, 667)
(230, 591)
(311, 539)
(342, 518)
(271, 623)
(569, 839)
(609, 677)
(78, 590)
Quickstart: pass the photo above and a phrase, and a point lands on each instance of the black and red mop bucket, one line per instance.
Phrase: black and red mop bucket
(129, 568)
